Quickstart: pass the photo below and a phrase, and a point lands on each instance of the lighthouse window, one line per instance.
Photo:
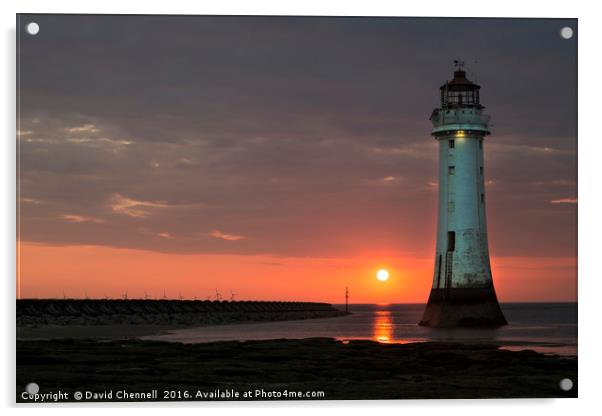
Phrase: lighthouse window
(482, 198)
(480, 143)
(451, 170)
(481, 170)
(452, 144)
(461, 97)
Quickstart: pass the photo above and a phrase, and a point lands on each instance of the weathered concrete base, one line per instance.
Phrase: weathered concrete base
(460, 307)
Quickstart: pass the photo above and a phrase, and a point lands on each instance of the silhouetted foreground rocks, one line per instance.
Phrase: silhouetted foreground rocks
(353, 370)
(39, 312)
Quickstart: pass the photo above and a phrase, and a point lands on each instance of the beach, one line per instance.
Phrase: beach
(377, 352)
(340, 370)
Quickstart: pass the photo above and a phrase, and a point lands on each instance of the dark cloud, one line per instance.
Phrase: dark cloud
(302, 136)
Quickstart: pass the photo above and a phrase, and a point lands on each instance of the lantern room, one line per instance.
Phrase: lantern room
(460, 92)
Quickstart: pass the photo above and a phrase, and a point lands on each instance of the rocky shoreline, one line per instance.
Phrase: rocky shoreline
(269, 369)
(33, 313)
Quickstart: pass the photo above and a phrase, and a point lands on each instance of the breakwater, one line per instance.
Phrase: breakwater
(36, 312)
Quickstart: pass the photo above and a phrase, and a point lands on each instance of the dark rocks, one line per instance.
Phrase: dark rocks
(39, 312)
(356, 370)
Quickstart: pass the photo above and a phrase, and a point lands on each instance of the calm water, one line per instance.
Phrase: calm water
(544, 327)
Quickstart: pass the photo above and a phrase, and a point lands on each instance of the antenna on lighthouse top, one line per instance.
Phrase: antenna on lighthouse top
(459, 64)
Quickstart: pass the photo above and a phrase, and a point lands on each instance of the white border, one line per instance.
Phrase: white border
(590, 147)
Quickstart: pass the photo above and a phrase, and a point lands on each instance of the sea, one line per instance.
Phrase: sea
(549, 328)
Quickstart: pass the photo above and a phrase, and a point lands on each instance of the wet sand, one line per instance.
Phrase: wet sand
(353, 370)
(93, 331)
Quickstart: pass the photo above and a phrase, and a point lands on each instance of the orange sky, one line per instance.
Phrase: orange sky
(96, 271)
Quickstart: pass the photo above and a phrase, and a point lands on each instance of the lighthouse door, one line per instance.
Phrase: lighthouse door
(451, 241)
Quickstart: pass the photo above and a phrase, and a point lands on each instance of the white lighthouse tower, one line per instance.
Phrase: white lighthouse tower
(462, 293)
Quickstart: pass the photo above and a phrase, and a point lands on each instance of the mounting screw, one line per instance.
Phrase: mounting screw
(566, 32)
(566, 384)
(32, 388)
(32, 28)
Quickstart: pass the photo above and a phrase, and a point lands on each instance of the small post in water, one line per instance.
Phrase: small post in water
(346, 299)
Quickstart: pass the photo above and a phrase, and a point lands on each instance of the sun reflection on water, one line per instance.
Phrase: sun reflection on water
(383, 327)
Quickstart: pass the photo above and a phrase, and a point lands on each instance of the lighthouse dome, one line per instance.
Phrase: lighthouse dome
(460, 92)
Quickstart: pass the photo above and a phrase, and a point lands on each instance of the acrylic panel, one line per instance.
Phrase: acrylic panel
(295, 208)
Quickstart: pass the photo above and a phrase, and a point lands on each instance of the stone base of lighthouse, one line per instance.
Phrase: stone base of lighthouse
(463, 307)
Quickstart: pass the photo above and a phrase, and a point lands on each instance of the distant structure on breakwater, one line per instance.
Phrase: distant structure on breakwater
(36, 312)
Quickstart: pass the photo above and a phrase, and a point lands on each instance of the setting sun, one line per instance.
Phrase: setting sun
(382, 275)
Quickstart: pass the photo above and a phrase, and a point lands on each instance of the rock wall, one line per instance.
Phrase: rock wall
(36, 312)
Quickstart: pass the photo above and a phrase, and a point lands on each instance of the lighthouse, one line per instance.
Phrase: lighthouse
(462, 293)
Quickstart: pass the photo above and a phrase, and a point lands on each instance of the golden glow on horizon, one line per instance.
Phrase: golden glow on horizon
(382, 275)
(46, 271)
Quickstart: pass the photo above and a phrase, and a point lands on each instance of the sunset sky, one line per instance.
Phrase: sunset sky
(284, 158)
